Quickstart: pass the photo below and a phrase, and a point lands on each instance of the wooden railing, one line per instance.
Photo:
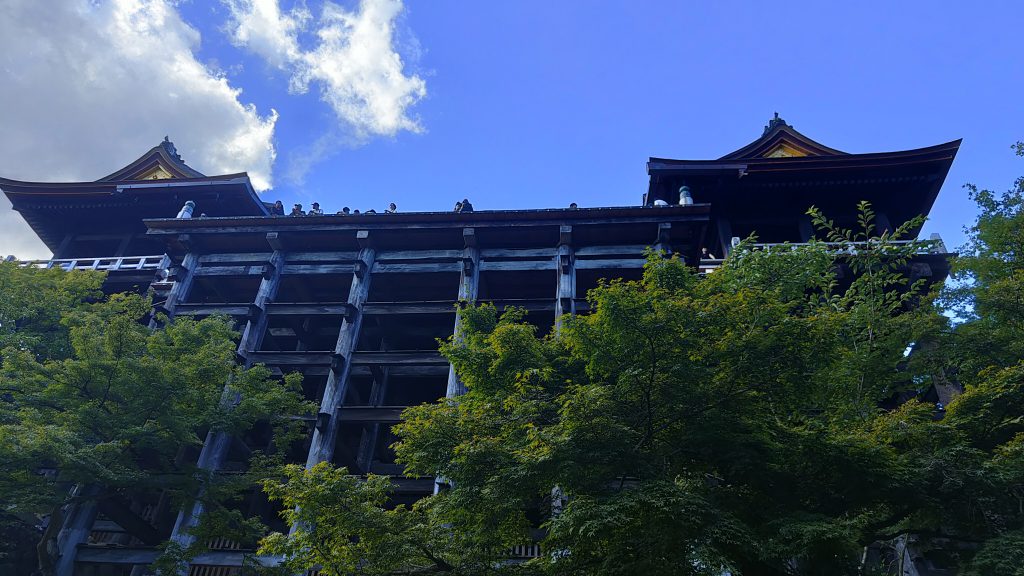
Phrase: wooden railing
(112, 264)
(933, 245)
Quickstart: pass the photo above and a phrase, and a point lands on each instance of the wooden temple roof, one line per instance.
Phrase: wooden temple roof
(783, 173)
(155, 185)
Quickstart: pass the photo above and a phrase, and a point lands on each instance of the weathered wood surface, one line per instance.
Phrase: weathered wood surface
(324, 438)
(382, 225)
(327, 257)
(565, 292)
(520, 253)
(235, 258)
(217, 444)
(244, 270)
(516, 265)
(420, 307)
(309, 308)
(211, 309)
(443, 255)
(75, 532)
(584, 252)
(415, 268)
(305, 358)
(404, 358)
(182, 284)
(292, 269)
(610, 264)
(371, 414)
(469, 289)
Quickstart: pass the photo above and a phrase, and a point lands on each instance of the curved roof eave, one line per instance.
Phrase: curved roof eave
(942, 151)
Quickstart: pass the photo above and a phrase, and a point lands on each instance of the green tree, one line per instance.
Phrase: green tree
(94, 398)
(985, 350)
(686, 425)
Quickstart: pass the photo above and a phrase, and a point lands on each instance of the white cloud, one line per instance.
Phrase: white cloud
(88, 86)
(354, 62)
(261, 26)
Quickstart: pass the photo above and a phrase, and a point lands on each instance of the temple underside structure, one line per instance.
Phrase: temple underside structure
(356, 303)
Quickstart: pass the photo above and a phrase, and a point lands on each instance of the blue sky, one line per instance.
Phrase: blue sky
(539, 104)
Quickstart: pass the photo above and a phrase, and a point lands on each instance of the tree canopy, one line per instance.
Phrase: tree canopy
(93, 397)
(693, 425)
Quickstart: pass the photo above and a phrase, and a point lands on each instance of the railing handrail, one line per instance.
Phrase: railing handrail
(154, 262)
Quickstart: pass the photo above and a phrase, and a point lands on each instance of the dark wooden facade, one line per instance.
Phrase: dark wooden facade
(357, 302)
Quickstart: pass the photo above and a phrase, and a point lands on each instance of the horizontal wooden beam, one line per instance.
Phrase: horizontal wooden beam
(516, 265)
(419, 268)
(236, 258)
(617, 263)
(441, 255)
(422, 307)
(409, 358)
(211, 309)
(318, 358)
(229, 270)
(319, 269)
(327, 257)
(618, 250)
(524, 253)
(309, 308)
(373, 414)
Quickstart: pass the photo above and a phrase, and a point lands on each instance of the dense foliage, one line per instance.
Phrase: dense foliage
(986, 354)
(97, 407)
(690, 425)
(768, 418)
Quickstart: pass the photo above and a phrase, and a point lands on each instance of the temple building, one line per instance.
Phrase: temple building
(356, 302)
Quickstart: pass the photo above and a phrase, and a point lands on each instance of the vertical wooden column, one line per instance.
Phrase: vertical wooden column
(371, 433)
(565, 296)
(327, 422)
(77, 526)
(469, 287)
(183, 277)
(217, 444)
(565, 303)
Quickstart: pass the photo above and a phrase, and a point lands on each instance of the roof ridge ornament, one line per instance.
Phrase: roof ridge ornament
(774, 123)
(173, 152)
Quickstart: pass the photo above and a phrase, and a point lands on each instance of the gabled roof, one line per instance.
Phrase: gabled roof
(780, 140)
(160, 162)
(155, 185)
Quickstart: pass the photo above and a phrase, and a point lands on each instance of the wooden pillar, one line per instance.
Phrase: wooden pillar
(565, 296)
(217, 444)
(326, 432)
(469, 286)
(77, 526)
(371, 433)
